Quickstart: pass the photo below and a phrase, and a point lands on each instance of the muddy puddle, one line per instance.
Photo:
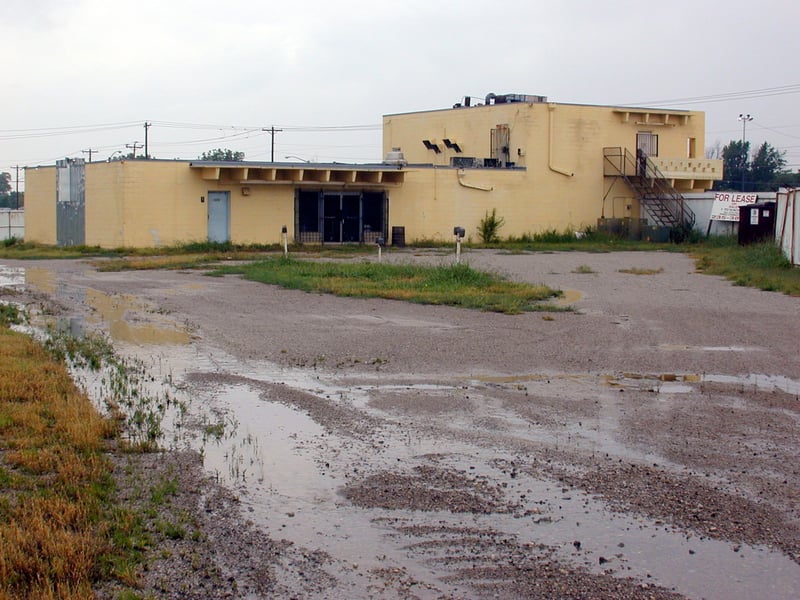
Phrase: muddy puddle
(11, 276)
(291, 470)
(297, 445)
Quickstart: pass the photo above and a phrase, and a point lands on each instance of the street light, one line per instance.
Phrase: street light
(744, 119)
(297, 157)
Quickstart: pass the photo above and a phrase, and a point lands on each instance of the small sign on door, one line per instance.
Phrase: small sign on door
(754, 216)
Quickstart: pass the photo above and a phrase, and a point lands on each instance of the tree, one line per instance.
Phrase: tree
(768, 162)
(788, 179)
(8, 199)
(129, 156)
(734, 166)
(221, 154)
(766, 169)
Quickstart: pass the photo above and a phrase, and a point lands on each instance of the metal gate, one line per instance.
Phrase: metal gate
(500, 145)
(340, 217)
(70, 202)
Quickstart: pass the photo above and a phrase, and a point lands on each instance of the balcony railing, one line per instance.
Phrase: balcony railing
(689, 168)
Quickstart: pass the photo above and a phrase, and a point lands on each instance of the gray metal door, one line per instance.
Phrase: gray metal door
(70, 230)
(219, 217)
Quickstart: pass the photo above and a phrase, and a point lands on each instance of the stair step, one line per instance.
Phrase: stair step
(658, 198)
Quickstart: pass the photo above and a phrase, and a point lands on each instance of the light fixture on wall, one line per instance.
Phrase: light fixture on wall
(245, 191)
(432, 146)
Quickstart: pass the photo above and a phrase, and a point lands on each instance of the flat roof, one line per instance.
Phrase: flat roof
(614, 107)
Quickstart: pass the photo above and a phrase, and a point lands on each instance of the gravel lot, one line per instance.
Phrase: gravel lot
(643, 445)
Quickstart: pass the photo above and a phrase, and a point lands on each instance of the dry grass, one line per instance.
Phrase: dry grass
(639, 271)
(170, 261)
(53, 477)
(584, 270)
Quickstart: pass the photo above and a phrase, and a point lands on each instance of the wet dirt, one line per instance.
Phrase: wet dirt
(643, 445)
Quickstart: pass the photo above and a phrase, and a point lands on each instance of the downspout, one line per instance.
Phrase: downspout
(551, 107)
(460, 175)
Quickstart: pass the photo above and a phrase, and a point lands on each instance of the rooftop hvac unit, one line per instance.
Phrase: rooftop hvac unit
(395, 157)
(464, 162)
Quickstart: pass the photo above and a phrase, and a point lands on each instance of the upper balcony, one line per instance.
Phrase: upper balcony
(689, 174)
(689, 168)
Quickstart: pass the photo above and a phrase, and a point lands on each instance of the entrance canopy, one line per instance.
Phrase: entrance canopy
(316, 174)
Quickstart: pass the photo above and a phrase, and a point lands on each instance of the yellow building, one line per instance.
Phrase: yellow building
(539, 165)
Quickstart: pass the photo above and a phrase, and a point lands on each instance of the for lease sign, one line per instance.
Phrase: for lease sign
(726, 205)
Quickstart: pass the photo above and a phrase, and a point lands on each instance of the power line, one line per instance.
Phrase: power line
(244, 134)
(295, 128)
(726, 97)
(760, 126)
(21, 134)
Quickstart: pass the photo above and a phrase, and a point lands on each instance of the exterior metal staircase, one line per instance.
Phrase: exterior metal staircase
(658, 198)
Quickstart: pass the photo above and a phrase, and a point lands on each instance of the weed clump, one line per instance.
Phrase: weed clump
(10, 315)
(584, 270)
(489, 227)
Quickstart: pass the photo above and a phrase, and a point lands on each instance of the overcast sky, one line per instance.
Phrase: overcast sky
(87, 74)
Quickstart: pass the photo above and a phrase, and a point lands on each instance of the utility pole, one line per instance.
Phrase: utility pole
(89, 152)
(134, 146)
(147, 126)
(17, 190)
(744, 119)
(272, 131)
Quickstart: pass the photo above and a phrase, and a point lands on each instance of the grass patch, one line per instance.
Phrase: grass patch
(639, 271)
(452, 285)
(166, 488)
(761, 266)
(191, 260)
(27, 250)
(179, 256)
(585, 240)
(171, 261)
